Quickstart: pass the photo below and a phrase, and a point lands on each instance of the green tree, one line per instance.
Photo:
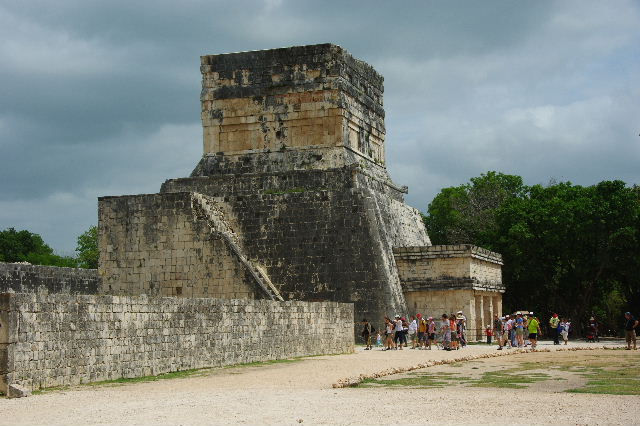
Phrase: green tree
(24, 246)
(466, 213)
(567, 248)
(87, 248)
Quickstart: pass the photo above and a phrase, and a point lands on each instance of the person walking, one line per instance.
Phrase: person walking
(461, 319)
(519, 329)
(511, 323)
(413, 332)
(422, 332)
(564, 330)
(398, 331)
(508, 331)
(453, 330)
(630, 330)
(593, 329)
(497, 329)
(445, 329)
(554, 321)
(389, 337)
(489, 332)
(534, 332)
(367, 330)
(431, 333)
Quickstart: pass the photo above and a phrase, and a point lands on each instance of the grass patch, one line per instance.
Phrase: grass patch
(512, 378)
(51, 389)
(417, 380)
(125, 380)
(612, 376)
(163, 376)
(263, 363)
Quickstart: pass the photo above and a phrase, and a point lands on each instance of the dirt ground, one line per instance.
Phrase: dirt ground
(301, 392)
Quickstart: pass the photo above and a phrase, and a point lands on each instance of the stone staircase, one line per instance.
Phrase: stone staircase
(206, 208)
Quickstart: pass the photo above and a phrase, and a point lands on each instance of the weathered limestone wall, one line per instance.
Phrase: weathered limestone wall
(486, 271)
(21, 278)
(304, 97)
(477, 305)
(320, 235)
(56, 340)
(449, 266)
(159, 245)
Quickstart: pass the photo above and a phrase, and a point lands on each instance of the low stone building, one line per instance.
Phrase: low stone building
(291, 201)
(450, 278)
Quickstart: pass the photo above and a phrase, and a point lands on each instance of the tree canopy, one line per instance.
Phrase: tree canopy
(87, 248)
(25, 246)
(567, 248)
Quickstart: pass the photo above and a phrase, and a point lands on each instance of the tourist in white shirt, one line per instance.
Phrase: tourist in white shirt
(413, 331)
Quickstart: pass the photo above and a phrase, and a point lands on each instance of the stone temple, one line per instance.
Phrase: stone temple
(292, 201)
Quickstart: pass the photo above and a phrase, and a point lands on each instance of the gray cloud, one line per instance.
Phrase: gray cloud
(101, 98)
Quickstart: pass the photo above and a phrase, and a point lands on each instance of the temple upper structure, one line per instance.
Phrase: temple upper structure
(305, 107)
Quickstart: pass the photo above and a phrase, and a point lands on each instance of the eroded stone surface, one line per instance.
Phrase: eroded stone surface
(60, 339)
(24, 278)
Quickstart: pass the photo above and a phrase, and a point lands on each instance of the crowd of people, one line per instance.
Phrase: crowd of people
(520, 330)
(448, 331)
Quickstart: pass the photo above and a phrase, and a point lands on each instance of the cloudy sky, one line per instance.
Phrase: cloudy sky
(102, 97)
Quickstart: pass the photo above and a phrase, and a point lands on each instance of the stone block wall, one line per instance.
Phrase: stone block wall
(158, 245)
(486, 271)
(449, 266)
(57, 340)
(22, 278)
(304, 97)
(320, 235)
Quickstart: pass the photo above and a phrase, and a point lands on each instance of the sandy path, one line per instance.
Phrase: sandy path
(288, 392)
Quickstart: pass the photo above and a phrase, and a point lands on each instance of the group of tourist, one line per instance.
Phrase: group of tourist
(448, 332)
(519, 330)
(561, 327)
(422, 331)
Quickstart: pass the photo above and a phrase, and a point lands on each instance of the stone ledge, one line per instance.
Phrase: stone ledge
(447, 251)
(451, 283)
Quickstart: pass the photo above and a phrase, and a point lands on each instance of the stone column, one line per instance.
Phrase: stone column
(497, 304)
(488, 311)
(478, 317)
